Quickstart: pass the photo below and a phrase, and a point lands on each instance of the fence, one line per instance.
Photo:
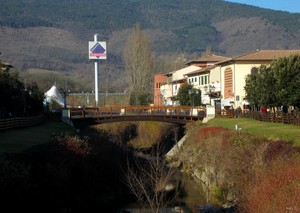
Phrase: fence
(277, 117)
(19, 122)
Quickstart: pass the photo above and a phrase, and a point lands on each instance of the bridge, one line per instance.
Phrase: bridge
(83, 117)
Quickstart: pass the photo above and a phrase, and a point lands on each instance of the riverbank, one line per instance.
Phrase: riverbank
(57, 171)
(252, 172)
(231, 166)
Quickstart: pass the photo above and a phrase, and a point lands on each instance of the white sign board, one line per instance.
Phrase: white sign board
(97, 50)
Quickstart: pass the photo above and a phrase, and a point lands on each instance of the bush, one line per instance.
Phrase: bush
(251, 172)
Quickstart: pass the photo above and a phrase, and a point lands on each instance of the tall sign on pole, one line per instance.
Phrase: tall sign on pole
(97, 50)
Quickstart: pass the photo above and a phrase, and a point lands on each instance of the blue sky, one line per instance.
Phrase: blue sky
(292, 6)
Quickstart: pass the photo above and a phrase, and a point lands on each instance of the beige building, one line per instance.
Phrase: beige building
(221, 80)
(205, 80)
(233, 72)
(196, 73)
(175, 80)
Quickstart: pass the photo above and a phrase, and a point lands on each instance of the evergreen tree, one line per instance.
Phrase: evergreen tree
(11, 92)
(187, 96)
(275, 85)
(287, 74)
(16, 99)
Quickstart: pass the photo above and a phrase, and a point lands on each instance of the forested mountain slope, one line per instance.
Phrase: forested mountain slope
(54, 34)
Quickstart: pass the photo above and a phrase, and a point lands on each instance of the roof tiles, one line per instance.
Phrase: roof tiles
(266, 55)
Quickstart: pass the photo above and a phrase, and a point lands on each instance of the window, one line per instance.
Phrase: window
(254, 71)
(204, 80)
(228, 86)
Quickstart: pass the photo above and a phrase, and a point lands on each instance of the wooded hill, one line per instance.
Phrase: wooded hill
(54, 35)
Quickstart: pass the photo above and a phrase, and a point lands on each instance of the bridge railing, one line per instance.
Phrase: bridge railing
(138, 110)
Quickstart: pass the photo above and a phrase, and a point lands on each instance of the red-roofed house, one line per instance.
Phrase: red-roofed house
(220, 79)
(233, 72)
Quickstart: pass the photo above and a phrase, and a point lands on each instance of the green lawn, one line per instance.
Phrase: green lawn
(16, 140)
(270, 130)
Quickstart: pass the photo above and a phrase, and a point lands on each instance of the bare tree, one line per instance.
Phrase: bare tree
(138, 60)
(152, 181)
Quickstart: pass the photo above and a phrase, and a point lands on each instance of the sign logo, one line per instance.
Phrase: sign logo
(97, 50)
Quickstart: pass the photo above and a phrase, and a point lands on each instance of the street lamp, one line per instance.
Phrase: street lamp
(210, 90)
(27, 101)
(65, 94)
(124, 98)
(87, 99)
(192, 93)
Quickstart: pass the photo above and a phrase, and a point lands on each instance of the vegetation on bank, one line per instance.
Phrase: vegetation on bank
(68, 174)
(254, 174)
(71, 172)
(78, 173)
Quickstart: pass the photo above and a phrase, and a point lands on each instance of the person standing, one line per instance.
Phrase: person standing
(238, 112)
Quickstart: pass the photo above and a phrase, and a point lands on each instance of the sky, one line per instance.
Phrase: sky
(292, 6)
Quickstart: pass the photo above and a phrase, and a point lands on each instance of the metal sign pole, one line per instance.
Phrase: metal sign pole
(97, 50)
(96, 75)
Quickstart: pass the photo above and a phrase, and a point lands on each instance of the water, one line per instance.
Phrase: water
(191, 197)
(175, 209)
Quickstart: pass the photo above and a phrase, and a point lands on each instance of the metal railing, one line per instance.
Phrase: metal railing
(19, 122)
(277, 117)
(142, 112)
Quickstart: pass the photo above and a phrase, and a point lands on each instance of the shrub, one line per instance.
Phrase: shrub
(276, 188)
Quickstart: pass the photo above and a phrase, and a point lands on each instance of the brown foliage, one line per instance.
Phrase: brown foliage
(74, 144)
(209, 131)
(276, 188)
(254, 173)
(278, 149)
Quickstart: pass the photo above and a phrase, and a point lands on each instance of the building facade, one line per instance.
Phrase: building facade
(220, 79)
(159, 81)
(233, 73)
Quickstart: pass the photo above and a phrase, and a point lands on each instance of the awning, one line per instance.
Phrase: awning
(205, 101)
(227, 101)
(244, 102)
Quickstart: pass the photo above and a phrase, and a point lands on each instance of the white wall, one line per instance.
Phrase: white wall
(239, 72)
